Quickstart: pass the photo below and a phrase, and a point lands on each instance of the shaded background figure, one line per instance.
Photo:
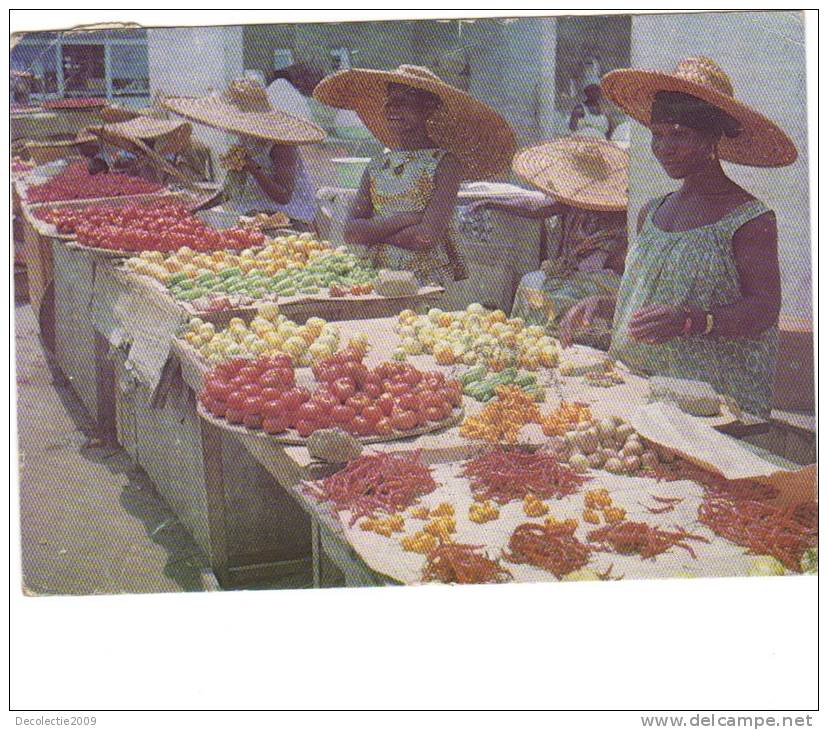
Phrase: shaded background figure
(265, 172)
(436, 136)
(586, 181)
(589, 117)
(700, 297)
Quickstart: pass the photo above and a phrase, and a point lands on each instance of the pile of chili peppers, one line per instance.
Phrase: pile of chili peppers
(452, 562)
(762, 528)
(376, 482)
(714, 484)
(505, 475)
(628, 538)
(552, 547)
(75, 183)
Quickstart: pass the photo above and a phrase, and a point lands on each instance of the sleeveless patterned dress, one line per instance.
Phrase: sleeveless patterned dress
(402, 181)
(695, 268)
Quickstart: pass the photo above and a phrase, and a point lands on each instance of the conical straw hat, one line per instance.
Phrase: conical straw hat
(476, 134)
(244, 109)
(760, 142)
(584, 172)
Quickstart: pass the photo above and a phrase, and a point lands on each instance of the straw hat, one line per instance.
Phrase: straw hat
(760, 143)
(244, 109)
(169, 136)
(473, 132)
(584, 172)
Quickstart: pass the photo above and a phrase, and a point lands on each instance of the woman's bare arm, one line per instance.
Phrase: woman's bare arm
(757, 261)
(436, 217)
(363, 228)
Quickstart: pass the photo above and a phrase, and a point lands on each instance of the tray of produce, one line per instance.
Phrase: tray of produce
(155, 226)
(75, 183)
(391, 401)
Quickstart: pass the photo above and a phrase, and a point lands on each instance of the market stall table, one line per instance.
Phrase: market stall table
(291, 465)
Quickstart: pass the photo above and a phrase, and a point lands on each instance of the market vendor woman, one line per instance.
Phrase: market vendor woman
(700, 296)
(437, 136)
(585, 180)
(265, 170)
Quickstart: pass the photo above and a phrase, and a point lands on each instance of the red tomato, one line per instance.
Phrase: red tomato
(275, 424)
(434, 413)
(249, 374)
(342, 414)
(409, 401)
(361, 426)
(271, 394)
(372, 390)
(372, 414)
(279, 360)
(358, 402)
(309, 411)
(327, 401)
(398, 388)
(344, 388)
(386, 403)
(235, 400)
(305, 428)
(383, 427)
(234, 416)
(430, 399)
(274, 408)
(217, 407)
(252, 405)
(412, 376)
(218, 389)
(404, 420)
(452, 396)
(251, 390)
(372, 377)
(253, 420)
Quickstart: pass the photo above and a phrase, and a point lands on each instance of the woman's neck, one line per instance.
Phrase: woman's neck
(708, 182)
(416, 142)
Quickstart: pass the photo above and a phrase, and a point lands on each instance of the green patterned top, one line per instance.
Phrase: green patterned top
(402, 181)
(695, 268)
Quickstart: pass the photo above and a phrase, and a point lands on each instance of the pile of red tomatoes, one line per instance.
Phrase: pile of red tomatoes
(75, 183)
(393, 397)
(162, 227)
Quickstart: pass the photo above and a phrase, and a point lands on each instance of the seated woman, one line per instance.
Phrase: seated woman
(437, 136)
(586, 180)
(266, 174)
(700, 296)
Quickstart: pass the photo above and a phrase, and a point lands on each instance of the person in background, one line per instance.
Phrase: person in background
(701, 294)
(437, 136)
(589, 118)
(585, 186)
(266, 174)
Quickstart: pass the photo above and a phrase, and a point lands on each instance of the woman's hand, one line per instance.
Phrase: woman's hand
(657, 323)
(593, 262)
(580, 317)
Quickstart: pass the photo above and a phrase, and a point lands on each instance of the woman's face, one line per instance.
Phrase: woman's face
(680, 150)
(404, 111)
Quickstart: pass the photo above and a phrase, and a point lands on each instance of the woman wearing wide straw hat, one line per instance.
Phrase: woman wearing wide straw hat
(266, 173)
(437, 136)
(700, 296)
(586, 181)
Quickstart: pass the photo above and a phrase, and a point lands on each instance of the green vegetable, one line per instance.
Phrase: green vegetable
(227, 273)
(173, 279)
(473, 375)
(810, 561)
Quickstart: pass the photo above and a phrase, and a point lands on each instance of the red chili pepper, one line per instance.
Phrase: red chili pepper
(452, 562)
(638, 537)
(504, 475)
(551, 547)
(389, 482)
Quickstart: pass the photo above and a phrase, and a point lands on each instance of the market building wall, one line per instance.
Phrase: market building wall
(764, 55)
(212, 59)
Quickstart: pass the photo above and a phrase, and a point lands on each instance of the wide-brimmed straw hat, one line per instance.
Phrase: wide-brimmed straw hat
(477, 135)
(168, 137)
(759, 143)
(584, 172)
(244, 109)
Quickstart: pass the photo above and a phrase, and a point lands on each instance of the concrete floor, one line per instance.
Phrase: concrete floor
(91, 521)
